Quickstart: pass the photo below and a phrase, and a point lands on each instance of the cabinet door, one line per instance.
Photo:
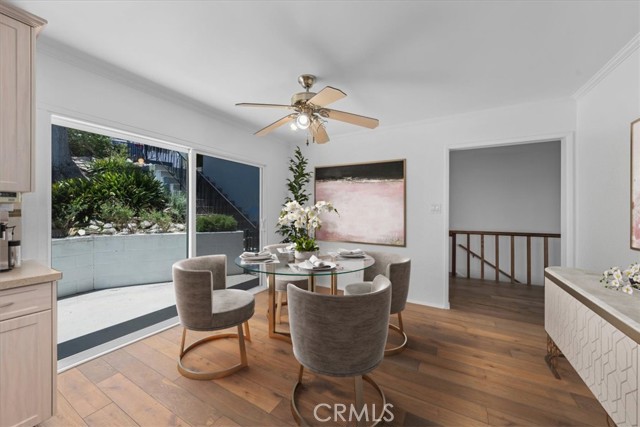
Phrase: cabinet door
(15, 105)
(25, 370)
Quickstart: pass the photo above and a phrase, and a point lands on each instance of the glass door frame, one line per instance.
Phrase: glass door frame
(191, 220)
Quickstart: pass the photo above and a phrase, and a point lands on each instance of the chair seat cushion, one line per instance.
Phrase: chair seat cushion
(358, 288)
(231, 307)
(281, 284)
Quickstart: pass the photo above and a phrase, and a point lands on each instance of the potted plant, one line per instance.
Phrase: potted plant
(303, 223)
(297, 190)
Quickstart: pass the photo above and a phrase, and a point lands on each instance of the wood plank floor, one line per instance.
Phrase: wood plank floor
(480, 363)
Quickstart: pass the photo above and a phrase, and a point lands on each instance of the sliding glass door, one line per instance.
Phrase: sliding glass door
(227, 208)
(118, 216)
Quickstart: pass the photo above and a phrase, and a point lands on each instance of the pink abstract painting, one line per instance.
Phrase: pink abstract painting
(370, 199)
(635, 185)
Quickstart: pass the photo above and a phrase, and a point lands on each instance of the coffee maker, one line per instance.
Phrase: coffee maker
(5, 264)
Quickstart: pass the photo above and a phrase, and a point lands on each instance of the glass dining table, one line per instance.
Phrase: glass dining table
(282, 267)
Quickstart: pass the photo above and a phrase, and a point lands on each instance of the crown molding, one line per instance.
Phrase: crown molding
(22, 15)
(87, 62)
(609, 67)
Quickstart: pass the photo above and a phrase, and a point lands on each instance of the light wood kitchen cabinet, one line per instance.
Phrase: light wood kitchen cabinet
(18, 31)
(25, 370)
(28, 355)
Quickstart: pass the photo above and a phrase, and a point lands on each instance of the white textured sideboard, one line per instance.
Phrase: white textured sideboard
(598, 331)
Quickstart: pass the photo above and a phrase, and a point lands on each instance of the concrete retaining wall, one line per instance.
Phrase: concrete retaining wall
(224, 242)
(100, 262)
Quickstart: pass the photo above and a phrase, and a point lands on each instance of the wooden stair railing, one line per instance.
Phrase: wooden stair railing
(497, 234)
(475, 255)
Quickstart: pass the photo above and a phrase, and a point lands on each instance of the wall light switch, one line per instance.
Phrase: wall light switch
(436, 209)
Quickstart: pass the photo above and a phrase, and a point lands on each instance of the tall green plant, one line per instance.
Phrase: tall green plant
(297, 186)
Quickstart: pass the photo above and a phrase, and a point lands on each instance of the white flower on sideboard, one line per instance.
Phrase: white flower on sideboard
(622, 280)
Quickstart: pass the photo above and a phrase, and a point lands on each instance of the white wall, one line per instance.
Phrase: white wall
(426, 147)
(68, 88)
(510, 188)
(604, 114)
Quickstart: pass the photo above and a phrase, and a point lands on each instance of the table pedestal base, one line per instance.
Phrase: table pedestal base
(282, 335)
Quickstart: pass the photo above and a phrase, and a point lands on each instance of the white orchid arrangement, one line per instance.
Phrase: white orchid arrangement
(304, 222)
(622, 280)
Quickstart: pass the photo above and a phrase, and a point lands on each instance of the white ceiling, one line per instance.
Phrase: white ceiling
(398, 61)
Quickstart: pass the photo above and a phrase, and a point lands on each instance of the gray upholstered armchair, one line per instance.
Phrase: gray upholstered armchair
(398, 269)
(340, 336)
(204, 304)
(281, 284)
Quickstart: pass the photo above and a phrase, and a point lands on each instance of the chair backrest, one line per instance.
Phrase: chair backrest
(340, 335)
(397, 269)
(274, 248)
(193, 280)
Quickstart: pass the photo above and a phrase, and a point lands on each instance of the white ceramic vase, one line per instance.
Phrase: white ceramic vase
(304, 255)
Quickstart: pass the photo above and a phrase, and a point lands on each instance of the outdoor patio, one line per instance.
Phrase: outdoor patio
(96, 322)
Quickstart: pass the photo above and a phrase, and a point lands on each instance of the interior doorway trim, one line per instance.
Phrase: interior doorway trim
(567, 192)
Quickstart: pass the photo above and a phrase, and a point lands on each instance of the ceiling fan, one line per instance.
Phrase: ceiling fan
(310, 111)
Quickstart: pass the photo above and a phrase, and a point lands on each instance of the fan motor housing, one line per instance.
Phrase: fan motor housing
(301, 97)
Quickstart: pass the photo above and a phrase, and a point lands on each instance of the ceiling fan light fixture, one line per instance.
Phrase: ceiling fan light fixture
(303, 121)
(308, 110)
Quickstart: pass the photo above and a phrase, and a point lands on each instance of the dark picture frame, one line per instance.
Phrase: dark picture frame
(370, 199)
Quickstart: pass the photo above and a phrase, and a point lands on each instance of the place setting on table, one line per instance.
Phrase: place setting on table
(261, 257)
(302, 257)
(313, 264)
(351, 253)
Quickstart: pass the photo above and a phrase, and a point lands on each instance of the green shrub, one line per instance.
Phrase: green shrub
(113, 164)
(216, 222)
(177, 206)
(115, 213)
(69, 204)
(116, 191)
(163, 219)
(136, 189)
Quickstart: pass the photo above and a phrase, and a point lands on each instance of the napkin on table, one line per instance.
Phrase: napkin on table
(350, 252)
(261, 254)
(313, 263)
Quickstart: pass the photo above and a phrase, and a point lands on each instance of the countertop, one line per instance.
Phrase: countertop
(618, 308)
(30, 273)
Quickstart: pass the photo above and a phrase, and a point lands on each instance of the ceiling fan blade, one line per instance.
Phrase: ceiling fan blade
(319, 132)
(326, 96)
(354, 119)
(251, 104)
(275, 125)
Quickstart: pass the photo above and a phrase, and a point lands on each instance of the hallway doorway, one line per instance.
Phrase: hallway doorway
(505, 211)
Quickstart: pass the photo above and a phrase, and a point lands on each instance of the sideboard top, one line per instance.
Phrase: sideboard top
(616, 307)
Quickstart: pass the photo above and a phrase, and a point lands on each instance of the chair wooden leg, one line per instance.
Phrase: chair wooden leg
(247, 332)
(400, 329)
(359, 389)
(243, 350)
(210, 375)
(279, 308)
(184, 337)
(294, 407)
